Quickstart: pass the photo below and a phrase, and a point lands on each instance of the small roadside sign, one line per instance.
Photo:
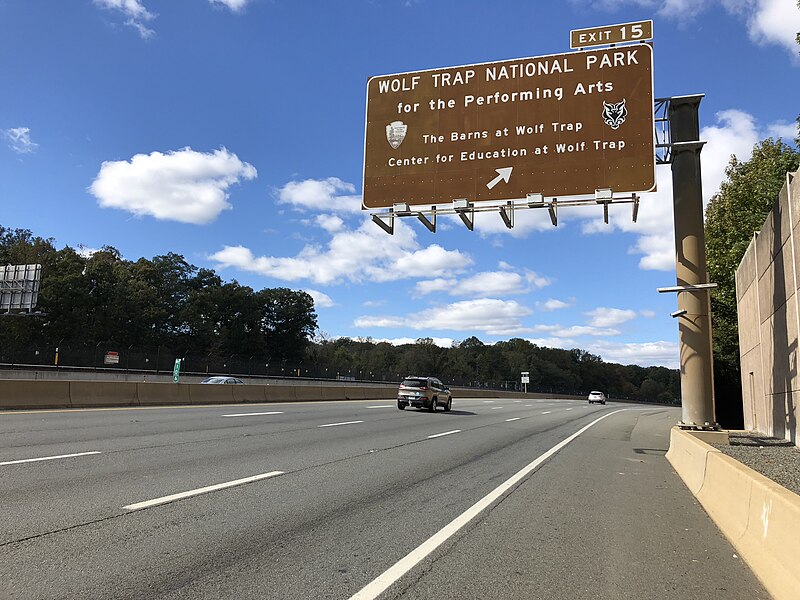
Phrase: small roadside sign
(621, 33)
(176, 372)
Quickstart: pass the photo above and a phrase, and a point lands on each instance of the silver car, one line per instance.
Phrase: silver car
(223, 380)
(424, 392)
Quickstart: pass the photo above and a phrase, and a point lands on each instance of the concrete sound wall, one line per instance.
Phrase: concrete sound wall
(768, 303)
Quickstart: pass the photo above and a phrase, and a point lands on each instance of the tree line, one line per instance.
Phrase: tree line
(163, 301)
(164, 307)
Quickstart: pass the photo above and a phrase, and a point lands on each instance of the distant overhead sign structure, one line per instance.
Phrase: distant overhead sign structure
(19, 287)
(559, 125)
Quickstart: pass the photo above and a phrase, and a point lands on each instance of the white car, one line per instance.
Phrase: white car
(597, 397)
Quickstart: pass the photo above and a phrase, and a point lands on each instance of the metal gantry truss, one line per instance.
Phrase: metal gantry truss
(466, 210)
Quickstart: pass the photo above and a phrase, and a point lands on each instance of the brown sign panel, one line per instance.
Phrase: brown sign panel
(611, 34)
(559, 125)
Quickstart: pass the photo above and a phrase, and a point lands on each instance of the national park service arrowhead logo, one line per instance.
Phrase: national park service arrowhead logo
(396, 133)
(614, 113)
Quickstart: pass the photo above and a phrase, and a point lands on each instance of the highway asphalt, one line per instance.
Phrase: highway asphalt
(499, 498)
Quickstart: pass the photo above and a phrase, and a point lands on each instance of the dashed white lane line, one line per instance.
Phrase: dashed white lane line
(496, 407)
(547, 412)
(514, 419)
(28, 460)
(529, 405)
(337, 424)
(488, 401)
(203, 490)
(381, 406)
(430, 437)
(568, 409)
(377, 586)
(274, 412)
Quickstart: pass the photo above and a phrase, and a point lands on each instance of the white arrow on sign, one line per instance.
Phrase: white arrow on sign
(504, 174)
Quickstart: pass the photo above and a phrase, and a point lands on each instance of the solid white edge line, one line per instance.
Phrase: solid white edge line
(430, 437)
(335, 424)
(203, 490)
(275, 412)
(514, 419)
(28, 460)
(381, 583)
(382, 406)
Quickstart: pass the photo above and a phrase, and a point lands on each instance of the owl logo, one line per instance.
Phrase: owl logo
(614, 113)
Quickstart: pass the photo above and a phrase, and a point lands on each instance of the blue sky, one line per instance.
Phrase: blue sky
(232, 132)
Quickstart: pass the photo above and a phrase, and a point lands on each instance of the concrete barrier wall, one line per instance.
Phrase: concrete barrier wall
(102, 393)
(760, 518)
(34, 394)
(20, 394)
(156, 394)
(280, 393)
(243, 394)
(209, 394)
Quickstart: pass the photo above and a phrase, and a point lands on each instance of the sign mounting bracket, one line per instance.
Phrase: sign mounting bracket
(465, 211)
(507, 214)
(430, 224)
(388, 227)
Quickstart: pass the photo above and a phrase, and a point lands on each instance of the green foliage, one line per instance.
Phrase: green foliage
(104, 299)
(498, 365)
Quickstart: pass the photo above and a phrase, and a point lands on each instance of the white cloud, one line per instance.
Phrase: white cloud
(321, 300)
(768, 21)
(647, 314)
(184, 186)
(487, 283)
(373, 303)
(552, 304)
(554, 342)
(137, 15)
(19, 140)
(773, 22)
(735, 134)
(233, 5)
(85, 251)
(437, 341)
(321, 195)
(580, 330)
(364, 254)
(330, 223)
(782, 129)
(645, 354)
(488, 315)
(609, 317)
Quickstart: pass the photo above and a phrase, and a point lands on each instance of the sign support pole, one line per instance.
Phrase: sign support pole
(694, 305)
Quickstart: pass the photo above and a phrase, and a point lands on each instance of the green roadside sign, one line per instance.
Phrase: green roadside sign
(176, 372)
